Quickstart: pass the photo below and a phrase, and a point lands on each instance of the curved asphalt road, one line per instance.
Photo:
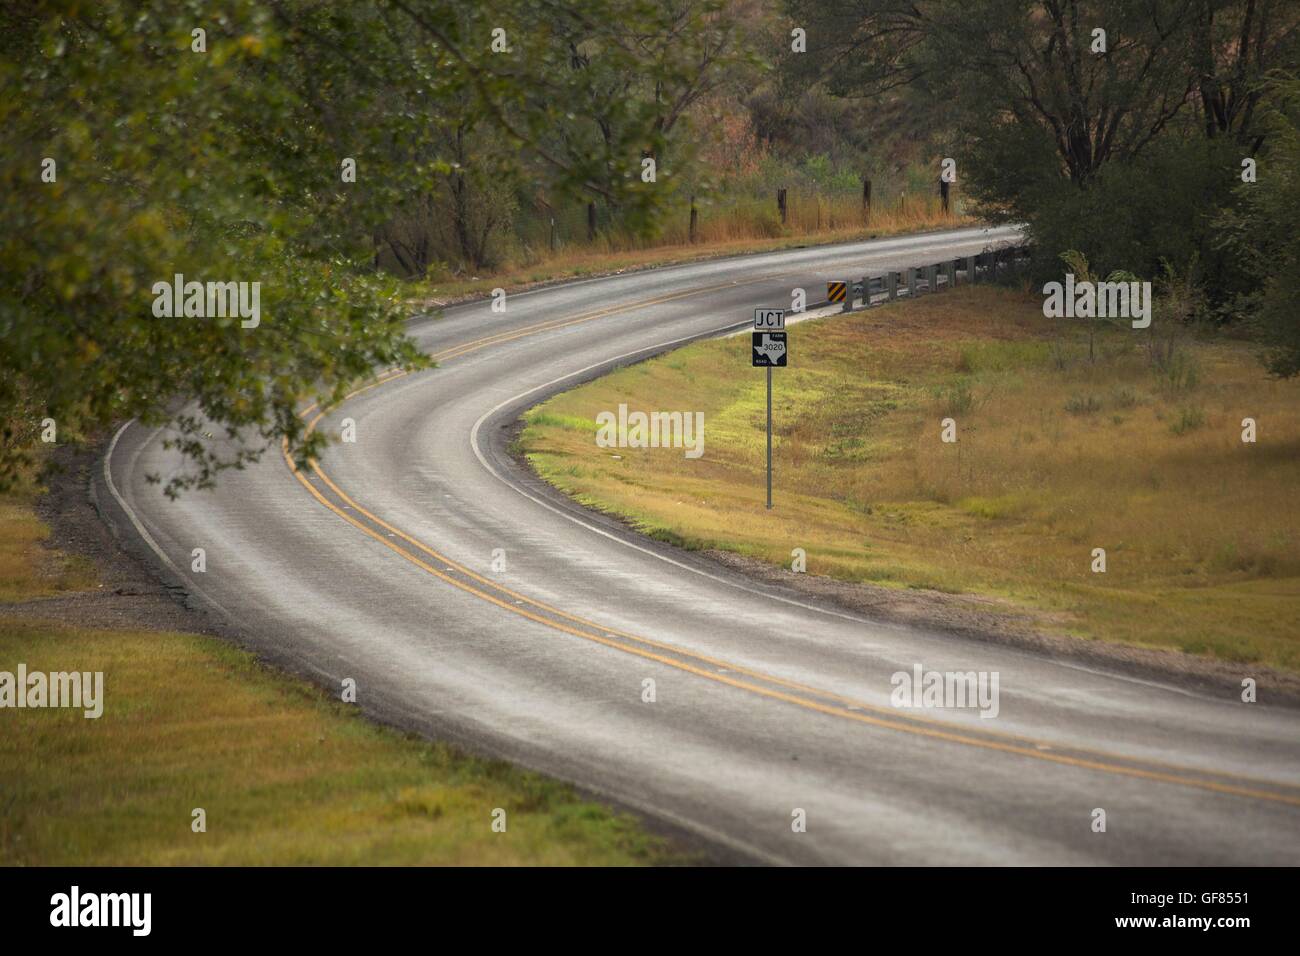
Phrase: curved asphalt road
(379, 567)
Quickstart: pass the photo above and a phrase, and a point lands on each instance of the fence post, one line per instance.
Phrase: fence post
(780, 203)
(552, 233)
(932, 278)
(970, 270)
(891, 285)
(866, 199)
(943, 194)
(591, 222)
(911, 283)
(694, 219)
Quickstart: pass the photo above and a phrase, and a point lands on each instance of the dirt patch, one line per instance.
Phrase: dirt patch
(129, 595)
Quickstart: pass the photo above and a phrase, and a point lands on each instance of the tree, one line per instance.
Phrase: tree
(1018, 74)
(1262, 241)
(206, 138)
(1238, 43)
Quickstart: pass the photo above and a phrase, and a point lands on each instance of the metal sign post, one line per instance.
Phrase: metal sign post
(769, 352)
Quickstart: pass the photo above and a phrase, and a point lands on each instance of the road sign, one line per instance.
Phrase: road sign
(836, 291)
(769, 349)
(769, 320)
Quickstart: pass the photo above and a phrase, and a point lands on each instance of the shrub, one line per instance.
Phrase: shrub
(1082, 404)
(1189, 419)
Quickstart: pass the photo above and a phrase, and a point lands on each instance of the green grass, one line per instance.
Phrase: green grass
(285, 774)
(1056, 455)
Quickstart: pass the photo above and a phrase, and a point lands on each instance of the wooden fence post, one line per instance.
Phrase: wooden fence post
(695, 218)
(552, 233)
(591, 222)
(780, 204)
(944, 186)
(866, 199)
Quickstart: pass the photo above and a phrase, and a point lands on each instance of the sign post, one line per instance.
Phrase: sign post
(769, 352)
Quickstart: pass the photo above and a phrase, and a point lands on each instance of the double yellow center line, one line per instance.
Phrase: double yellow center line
(720, 671)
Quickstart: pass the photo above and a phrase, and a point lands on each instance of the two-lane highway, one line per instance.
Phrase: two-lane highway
(378, 566)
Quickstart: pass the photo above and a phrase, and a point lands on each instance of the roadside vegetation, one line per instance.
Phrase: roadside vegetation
(729, 237)
(444, 159)
(1137, 450)
(440, 160)
(285, 774)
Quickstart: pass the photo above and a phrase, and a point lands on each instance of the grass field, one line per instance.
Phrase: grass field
(284, 774)
(1057, 454)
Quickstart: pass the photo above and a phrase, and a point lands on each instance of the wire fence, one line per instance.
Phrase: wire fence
(532, 233)
(707, 219)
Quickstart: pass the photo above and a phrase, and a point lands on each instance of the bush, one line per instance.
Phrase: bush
(1134, 216)
(957, 398)
(1189, 419)
(1262, 244)
(1082, 404)
(1125, 397)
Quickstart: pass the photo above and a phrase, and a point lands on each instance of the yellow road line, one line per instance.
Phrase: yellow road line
(933, 732)
(1009, 743)
(717, 662)
(547, 326)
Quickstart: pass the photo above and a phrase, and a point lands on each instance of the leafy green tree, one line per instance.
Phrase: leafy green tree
(220, 155)
(1111, 127)
(1262, 241)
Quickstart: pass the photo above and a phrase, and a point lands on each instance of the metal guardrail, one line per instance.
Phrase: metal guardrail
(876, 290)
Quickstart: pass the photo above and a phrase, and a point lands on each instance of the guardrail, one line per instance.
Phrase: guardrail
(874, 290)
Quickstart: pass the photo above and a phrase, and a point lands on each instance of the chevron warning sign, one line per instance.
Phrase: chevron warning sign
(836, 291)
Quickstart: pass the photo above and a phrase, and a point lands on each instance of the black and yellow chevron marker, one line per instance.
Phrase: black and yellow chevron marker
(836, 291)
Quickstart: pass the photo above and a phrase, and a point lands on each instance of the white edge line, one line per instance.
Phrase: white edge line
(142, 530)
(627, 799)
(885, 243)
(474, 445)
(887, 625)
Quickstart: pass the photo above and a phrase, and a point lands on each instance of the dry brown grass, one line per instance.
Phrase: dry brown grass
(27, 568)
(747, 228)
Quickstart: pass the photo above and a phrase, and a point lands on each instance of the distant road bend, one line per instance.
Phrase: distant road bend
(378, 566)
